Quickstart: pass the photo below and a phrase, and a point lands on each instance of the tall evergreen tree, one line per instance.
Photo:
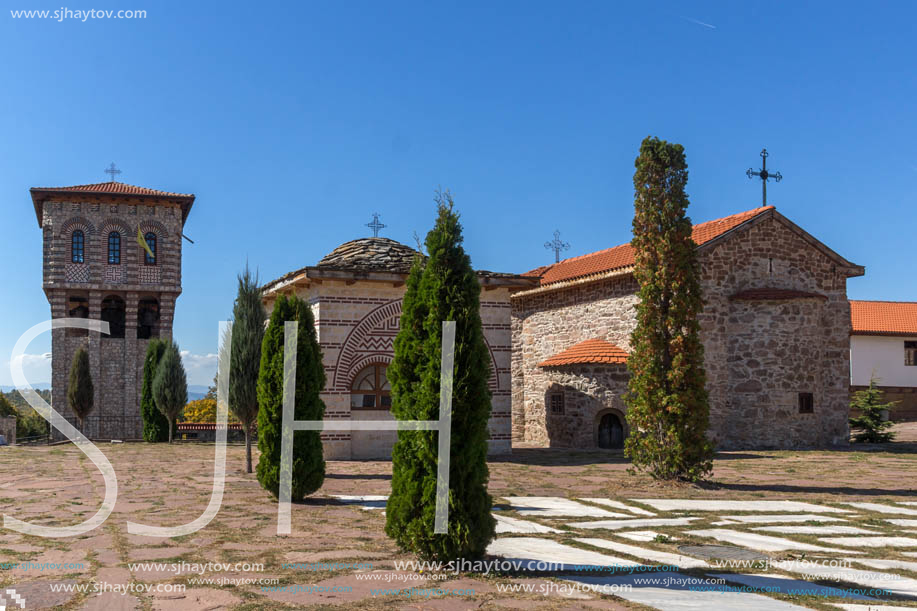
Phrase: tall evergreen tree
(170, 385)
(308, 462)
(155, 424)
(245, 359)
(80, 392)
(668, 409)
(442, 287)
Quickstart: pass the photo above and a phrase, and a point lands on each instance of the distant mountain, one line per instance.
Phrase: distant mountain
(196, 391)
(39, 386)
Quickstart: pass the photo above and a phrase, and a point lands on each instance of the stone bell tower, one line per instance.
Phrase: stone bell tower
(95, 267)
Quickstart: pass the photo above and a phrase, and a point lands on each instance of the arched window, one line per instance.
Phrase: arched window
(370, 389)
(77, 307)
(114, 248)
(150, 238)
(114, 313)
(77, 241)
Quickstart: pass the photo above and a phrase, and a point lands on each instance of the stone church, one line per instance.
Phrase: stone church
(355, 292)
(775, 328)
(94, 267)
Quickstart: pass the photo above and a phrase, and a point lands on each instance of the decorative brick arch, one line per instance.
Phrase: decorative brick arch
(77, 222)
(114, 224)
(155, 226)
(371, 341)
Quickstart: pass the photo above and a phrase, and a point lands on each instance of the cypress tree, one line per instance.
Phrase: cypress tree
(245, 358)
(308, 462)
(155, 425)
(170, 386)
(668, 410)
(80, 392)
(442, 287)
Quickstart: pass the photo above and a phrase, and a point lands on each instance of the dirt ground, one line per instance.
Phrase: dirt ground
(170, 485)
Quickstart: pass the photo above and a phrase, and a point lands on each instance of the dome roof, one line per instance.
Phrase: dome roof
(370, 255)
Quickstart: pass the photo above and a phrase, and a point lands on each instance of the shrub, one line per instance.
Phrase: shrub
(870, 423)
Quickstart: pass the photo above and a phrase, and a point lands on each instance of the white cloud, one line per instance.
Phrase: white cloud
(36, 367)
(200, 368)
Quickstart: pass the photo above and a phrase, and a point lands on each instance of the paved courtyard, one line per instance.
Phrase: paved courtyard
(778, 530)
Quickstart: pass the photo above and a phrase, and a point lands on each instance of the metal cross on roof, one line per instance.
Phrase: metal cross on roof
(112, 171)
(557, 245)
(763, 174)
(375, 225)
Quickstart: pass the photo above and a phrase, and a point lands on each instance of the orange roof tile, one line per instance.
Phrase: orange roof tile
(622, 256)
(883, 317)
(590, 351)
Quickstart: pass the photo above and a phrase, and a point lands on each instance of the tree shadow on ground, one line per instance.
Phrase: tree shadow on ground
(846, 491)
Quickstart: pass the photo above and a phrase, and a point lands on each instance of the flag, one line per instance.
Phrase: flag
(143, 244)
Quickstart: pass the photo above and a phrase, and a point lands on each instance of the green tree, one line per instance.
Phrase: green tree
(308, 462)
(155, 424)
(245, 358)
(170, 385)
(80, 393)
(6, 408)
(440, 288)
(873, 423)
(668, 409)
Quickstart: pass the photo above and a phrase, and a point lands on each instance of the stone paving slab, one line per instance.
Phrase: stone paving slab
(620, 505)
(643, 535)
(680, 598)
(902, 522)
(882, 508)
(531, 551)
(762, 543)
(870, 607)
(816, 530)
(367, 501)
(553, 506)
(896, 584)
(636, 523)
(506, 524)
(655, 556)
(711, 505)
(782, 519)
(871, 541)
(782, 584)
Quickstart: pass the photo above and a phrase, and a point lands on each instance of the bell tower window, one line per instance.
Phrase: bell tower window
(77, 241)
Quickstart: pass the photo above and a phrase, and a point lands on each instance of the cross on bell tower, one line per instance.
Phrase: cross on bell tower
(763, 174)
(112, 171)
(375, 225)
(557, 245)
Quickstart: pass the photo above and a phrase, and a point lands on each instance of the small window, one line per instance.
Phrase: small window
(806, 403)
(114, 248)
(370, 389)
(151, 242)
(910, 354)
(76, 246)
(557, 402)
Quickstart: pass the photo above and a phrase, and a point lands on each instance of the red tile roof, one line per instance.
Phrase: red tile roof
(118, 188)
(622, 256)
(883, 317)
(41, 194)
(773, 294)
(590, 351)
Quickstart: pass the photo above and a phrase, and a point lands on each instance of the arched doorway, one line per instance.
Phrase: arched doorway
(610, 431)
(113, 312)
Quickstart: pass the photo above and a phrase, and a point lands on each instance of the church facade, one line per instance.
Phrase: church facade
(356, 293)
(94, 267)
(775, 329)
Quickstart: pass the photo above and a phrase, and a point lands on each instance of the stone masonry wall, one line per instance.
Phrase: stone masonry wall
(547, 323)
(759, 355)
(116, 364)
(589, 392)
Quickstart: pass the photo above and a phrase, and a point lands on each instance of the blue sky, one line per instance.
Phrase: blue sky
(293, 123)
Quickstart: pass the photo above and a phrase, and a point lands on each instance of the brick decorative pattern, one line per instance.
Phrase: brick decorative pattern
(116, 364)
(759, 354)
(77, 272)
(357, 324)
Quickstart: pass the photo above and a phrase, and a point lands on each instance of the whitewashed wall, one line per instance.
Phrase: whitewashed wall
(885, 355)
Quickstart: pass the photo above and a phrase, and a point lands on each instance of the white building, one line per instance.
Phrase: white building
(883, 342)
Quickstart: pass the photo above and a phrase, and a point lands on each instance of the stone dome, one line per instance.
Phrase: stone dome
(370, 255)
